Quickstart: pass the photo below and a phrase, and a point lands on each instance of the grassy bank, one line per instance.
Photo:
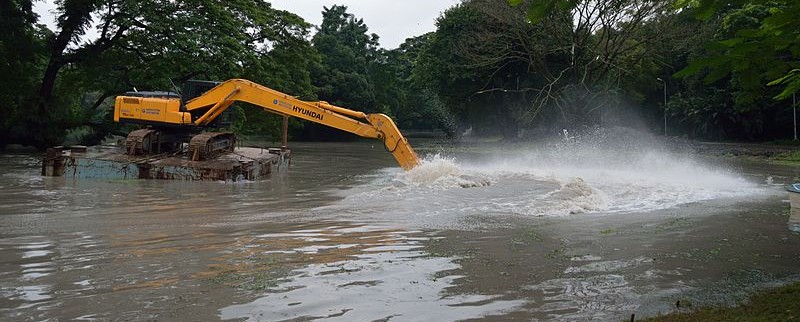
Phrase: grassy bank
(792, 158)
(780, 304)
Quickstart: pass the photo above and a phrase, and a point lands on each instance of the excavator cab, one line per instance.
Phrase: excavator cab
(194, 88)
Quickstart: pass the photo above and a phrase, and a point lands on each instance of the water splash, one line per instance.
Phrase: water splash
(440, 172)
(602, 173)
(574, 196)
(626, 174)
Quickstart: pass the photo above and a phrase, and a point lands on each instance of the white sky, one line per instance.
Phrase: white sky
(392, 20)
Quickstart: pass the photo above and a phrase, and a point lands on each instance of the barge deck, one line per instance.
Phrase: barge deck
(111, 162)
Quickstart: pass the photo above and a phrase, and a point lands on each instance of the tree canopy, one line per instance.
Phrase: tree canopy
(515, 68)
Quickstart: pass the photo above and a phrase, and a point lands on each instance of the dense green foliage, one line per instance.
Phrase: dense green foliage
(146, 45)
(21, 57)
(572, 70)
(745, 71)
(511, 68)
(357, 74)
(736, 76)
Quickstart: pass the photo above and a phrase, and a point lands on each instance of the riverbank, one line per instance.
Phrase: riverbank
(783, 154)
(779, 304)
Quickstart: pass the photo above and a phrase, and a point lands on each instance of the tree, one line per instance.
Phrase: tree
(21, 59)
(724, 92)
(773, 39)
(347, 52)
(610, 42)
(461, 65)
(417, 107)
(342, 78)
(759, 45)
(443, 68)
(559, 72)
(147, 44)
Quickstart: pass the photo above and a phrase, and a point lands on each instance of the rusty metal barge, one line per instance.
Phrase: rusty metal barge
(112, 162)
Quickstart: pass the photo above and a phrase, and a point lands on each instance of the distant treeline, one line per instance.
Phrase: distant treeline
(514, 69)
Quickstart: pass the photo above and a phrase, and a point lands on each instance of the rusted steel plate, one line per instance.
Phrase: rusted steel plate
(112, 163)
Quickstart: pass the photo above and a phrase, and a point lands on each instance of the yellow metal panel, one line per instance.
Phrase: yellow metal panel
(173, 115)
(159, 110)
(394, 141)
(153, 109)
(277, 102)
(380, 126)
(127, 107)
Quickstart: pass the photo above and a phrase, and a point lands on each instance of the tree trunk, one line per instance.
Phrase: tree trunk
(42, 123)
(48, 84)
(75, 16)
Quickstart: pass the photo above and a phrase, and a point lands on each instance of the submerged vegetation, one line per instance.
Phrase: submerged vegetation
(779, 304)
(514, 69)
(792, 158)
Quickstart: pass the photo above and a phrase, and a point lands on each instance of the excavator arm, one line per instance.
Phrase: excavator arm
(375, 126)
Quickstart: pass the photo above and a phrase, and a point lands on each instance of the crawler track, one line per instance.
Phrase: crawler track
(208, 145)
(141, 142)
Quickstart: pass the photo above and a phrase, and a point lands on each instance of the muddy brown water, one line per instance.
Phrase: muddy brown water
(345, 236)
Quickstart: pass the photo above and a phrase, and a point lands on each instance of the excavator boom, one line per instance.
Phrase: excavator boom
(376, 126)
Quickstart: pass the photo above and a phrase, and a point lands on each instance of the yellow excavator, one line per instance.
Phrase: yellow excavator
(173, 119)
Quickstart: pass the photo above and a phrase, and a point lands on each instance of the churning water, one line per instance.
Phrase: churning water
(595, 175)
(345, 235)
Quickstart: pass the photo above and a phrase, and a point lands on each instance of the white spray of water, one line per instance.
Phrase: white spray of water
(434, 171)
(574, 196)
(574, 176)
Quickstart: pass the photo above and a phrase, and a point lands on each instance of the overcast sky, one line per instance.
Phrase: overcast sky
(392, 20)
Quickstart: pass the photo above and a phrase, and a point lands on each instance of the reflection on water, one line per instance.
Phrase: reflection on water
(592, 289)
(327, 269)
(361, 274)
(347, 237)
(140, 250)
(794, 220)
(33, 270)
(599, 297)
(794, 213)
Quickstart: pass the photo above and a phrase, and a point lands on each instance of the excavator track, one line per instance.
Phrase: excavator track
(209, 145)
(140, 142)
